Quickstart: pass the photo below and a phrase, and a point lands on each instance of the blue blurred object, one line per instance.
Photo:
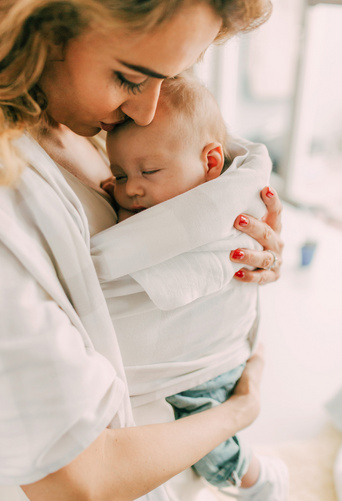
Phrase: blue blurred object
(307, 253)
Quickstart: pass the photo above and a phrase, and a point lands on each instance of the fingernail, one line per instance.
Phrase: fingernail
(238, 254)
(243, 221)
(269, 193)
(240, 274)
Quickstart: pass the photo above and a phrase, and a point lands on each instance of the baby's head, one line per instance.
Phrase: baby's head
(183, 147)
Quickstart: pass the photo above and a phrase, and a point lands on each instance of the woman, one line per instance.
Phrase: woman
(68, 70)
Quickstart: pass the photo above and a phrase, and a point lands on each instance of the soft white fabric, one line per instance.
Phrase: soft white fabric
(272, 483)
(61, 375)
(167, 278)
(100, 214)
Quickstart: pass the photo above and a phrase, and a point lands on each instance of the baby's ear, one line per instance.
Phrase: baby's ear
(213, 159)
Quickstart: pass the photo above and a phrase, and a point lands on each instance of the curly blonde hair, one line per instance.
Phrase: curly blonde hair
(28, 28)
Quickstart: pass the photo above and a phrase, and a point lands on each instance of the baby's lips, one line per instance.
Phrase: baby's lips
(138, 208)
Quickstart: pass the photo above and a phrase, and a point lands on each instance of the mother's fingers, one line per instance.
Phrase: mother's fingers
(260, 231)
(274, 208)
(266, 259)
(249, 382)
(259, 276)
(256, 361)
(267, 233)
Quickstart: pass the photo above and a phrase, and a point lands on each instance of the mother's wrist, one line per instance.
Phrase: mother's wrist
(232, 416)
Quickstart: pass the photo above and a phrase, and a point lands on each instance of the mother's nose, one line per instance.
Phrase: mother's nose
(141, 107)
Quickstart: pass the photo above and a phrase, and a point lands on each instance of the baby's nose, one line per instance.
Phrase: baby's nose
(134, 187)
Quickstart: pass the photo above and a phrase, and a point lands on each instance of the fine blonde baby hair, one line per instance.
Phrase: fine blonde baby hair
(187, 97)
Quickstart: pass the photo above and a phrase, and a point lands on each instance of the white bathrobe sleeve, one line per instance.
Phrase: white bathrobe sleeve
(56, 394)
(61, 375)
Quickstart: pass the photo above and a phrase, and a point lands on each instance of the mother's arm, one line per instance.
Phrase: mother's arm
(124, 464)
(267, 262)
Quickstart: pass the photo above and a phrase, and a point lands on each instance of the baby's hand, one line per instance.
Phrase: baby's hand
(108, 186)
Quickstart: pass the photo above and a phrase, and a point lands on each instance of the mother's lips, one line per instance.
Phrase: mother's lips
(110, 127)
(107, 127)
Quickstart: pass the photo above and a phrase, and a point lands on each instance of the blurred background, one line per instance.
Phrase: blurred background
(281, 85)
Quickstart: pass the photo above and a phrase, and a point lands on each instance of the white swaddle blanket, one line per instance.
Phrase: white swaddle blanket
(180, 319)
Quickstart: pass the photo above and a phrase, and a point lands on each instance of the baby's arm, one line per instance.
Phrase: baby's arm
(108, 186)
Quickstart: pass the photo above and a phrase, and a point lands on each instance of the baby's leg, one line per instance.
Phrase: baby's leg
(232, 463)
(228, 462)
(252, 474)
(265, 480)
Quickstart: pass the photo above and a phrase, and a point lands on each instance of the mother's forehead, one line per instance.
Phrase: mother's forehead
(168, 49)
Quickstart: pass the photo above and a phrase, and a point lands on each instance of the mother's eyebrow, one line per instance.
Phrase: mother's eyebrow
(145, 71)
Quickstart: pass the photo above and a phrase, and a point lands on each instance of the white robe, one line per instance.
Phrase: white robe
(61, 376)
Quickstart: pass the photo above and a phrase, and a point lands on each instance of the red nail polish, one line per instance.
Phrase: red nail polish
(240, 274)
(238, 254)
(243, 221)
(269, 193)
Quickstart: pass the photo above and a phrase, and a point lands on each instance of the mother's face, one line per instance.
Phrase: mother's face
(104, 77)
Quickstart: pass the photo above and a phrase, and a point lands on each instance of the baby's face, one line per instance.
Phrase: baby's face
(153, 164)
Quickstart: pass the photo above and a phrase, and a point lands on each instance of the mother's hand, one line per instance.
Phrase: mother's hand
(246, 394)
(267, 232)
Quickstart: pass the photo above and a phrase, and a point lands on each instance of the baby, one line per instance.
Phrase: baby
(185, 146)
(155, 163)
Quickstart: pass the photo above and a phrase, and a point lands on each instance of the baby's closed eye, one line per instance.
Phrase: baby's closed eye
(147, 172)
(120, 178)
